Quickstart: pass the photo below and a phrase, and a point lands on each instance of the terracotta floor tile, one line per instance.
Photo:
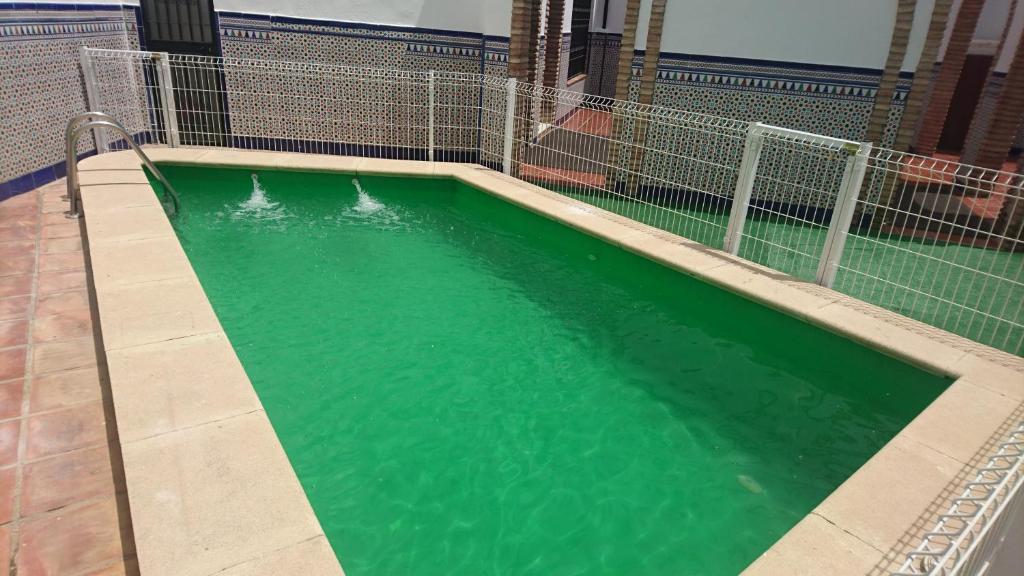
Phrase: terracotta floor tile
(15, 247)
(18, 205)
(26, 198)
(55, 207)
(10, 431)
(14, 214)
(5, 546)
(70, 541)
(14, 307)
(53, 218)
(72, 428)
(25, 218)
(66, 326)
(63, 389)
(63, 303)
(57, 245)
(17, 265)
(7, 477)
(61, 281)
(69, 229)
(118, 568)
(12, 363)
(13, 332)
(15, 285)
(17, 233)
(65, 355)
(11, 394)
(62, 261)
(66, 478)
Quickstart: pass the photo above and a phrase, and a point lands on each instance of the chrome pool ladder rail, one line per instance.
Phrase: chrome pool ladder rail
(77, 126)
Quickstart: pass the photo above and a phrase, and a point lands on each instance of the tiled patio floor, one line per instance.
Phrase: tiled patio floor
(63, 509)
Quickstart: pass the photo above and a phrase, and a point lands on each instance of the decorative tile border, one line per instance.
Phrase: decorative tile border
(830, 100)
(866, 524)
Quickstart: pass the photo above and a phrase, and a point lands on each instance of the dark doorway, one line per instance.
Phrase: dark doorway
(579, 41)
(965, 100)
(190, 27)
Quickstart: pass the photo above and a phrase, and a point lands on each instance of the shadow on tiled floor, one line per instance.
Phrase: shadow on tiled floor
(63, 506)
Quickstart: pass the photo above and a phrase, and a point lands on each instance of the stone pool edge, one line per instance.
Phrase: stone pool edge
(180, 418)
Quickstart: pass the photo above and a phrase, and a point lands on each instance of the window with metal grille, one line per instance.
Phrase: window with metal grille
(579, 41)
(180, 26)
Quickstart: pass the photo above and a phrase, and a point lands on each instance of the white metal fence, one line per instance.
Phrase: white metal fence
(932, 239)
(967, 538)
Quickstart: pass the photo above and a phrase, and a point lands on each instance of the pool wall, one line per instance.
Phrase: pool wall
(210, 488)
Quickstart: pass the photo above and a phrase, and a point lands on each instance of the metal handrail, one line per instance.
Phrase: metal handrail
(74, 131)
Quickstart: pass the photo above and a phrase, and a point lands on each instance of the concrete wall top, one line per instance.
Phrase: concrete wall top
(824, 32)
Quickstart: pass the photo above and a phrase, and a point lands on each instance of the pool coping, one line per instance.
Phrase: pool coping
(210, 488)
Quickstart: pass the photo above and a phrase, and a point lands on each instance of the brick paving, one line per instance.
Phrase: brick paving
(63, 508)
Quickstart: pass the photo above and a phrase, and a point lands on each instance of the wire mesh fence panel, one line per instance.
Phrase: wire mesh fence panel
(932, 239)
(974, 528)
(671, 169)
(125, 85)
(793, 200)
(941, 242)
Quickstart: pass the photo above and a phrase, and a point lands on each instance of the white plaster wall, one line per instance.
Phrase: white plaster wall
(918, 34)
(990, 27)
(834, 32)
(616, 16)
(1013, 37)
(491, 17)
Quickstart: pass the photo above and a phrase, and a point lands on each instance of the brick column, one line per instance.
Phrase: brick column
(887, 84)
(934, 119)
(523, 42)
(982, 124)
(553, 54)
(622, 79)
(923, 75)
(523, 48)
(1009, 112)
(650, 75)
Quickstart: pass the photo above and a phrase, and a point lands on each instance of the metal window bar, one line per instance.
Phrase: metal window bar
(934, 240)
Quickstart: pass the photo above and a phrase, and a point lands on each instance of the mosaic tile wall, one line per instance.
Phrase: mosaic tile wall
(296, 100)
(42, 87)
(833, 101)
(825, 100)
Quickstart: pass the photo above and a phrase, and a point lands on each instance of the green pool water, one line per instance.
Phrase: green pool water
(464, 387)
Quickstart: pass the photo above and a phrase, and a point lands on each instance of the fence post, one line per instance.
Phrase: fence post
(430, 117)
(92, 95)
(168, 110)
(744, 187)
(510, 123)
(842, 214)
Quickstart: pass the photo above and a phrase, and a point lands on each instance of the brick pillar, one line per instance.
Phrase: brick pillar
(887, 84)
(523, 42)
(652, 53)
(1009, 112)
(919, 89)
(982, 124)
(623, 76)
(553, 54)
(523, 48)
(934, 119)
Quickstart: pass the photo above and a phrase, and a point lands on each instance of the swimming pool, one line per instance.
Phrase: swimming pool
(465, 387)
